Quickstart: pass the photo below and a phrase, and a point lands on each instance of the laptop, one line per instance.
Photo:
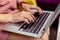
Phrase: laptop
(37, 28)
(58, 33)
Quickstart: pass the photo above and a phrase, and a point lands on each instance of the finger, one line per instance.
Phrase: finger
(35, 7)
(27, 15)
(26, 8)
(24, 20)
(29, 18)
(39, 10)
(31, 15)
(27, 21)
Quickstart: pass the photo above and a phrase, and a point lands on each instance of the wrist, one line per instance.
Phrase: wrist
(10, 18)
(5, 18)
(15, 17)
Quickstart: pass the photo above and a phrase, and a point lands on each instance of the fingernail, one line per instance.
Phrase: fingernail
(33, 20)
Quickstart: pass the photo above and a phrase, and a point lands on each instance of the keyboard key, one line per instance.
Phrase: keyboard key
(36, 26)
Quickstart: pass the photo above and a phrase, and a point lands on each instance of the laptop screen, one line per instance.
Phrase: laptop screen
(58, 34)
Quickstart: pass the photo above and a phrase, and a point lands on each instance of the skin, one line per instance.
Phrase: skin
(30, 7)
(15, 13)
(23, 17)
(16, 16)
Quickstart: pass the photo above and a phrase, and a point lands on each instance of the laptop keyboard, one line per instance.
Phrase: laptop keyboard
(35, 26)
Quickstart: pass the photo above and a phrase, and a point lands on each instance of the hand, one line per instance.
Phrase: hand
(30, 7)
(23, 17)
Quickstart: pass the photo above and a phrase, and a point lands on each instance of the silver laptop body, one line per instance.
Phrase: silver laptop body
(58, 33)
(35, 29)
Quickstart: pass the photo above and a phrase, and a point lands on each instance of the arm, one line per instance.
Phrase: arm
(5, 18)
(17, 17)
